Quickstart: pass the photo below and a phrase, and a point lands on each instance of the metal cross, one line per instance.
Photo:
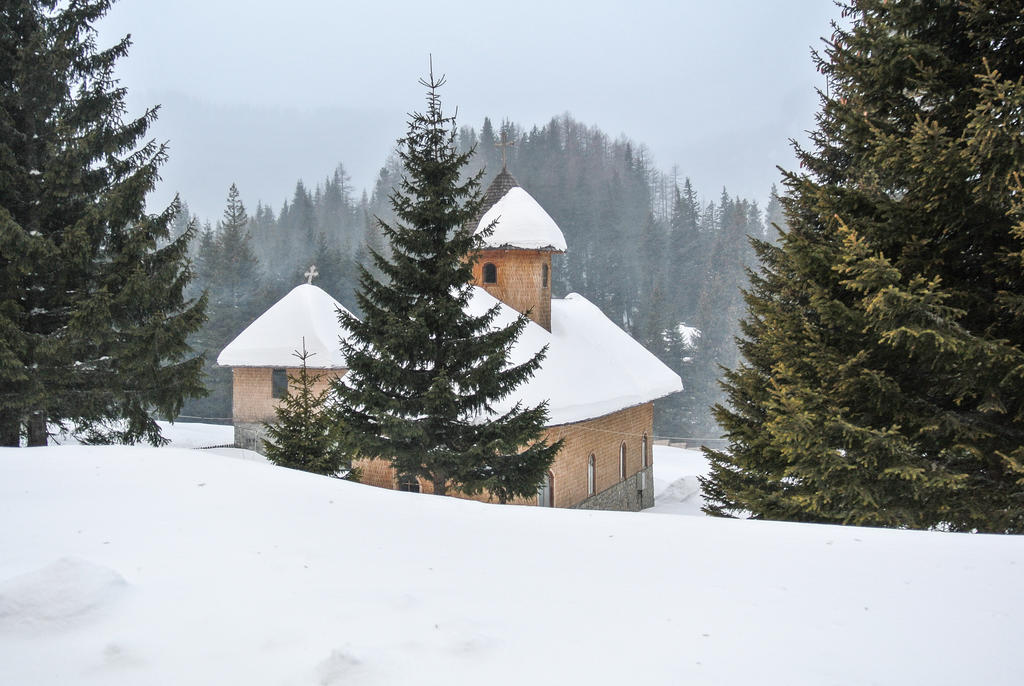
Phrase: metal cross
(504, 144)
(311, 274)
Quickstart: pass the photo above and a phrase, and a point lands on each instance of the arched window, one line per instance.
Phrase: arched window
(544, 276)
(622, 461)
(490, 273)
(546, 494)
(591, 475)
(643, 452)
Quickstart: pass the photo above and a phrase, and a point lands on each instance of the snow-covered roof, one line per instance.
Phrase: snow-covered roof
(522, 223)
(272, 340)
(592, 367)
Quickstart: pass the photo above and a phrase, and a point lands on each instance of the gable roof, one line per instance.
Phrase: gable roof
(522, 223)
(307, 312)
(592, 367)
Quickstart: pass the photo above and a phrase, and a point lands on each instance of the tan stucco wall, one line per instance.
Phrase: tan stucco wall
(251, 399)
(519, 281)
(601, 436)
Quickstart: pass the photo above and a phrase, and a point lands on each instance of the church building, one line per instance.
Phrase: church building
(600, 384)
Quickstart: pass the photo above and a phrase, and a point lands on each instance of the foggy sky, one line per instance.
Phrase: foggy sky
(263, 93)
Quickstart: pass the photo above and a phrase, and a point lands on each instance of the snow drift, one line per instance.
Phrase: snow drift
(186, 567)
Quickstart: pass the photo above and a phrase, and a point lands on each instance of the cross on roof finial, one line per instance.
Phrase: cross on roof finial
(504, 145)
(311, 274)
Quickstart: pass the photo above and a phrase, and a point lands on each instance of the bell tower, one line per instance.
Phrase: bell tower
(515, 263)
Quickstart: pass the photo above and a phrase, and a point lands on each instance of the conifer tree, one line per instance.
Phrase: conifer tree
(304, 435)
(774, 218)
(337, 271)
(424, 372)
(93, 321)
(884, 352)
(721, 306)
(687, 251)
(228, 270)
(236, 267)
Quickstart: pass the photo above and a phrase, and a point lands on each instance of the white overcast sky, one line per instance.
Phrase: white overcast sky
(263, 93)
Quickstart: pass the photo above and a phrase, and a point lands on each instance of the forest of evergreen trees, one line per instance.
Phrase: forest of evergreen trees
(656, 258)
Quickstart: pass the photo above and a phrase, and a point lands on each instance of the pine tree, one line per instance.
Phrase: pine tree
(337, 271)
(491, 158)
(181, 222)
(687, 252)
(304, 435)
(774, 218)
(885, 346)
(721, 306)
(235, 278)
(204, 257)
(93, 321)
(424, 373)
(228, 270)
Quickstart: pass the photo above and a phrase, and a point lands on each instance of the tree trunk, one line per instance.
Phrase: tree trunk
(37, 429)
(440, 485)
(10, 430)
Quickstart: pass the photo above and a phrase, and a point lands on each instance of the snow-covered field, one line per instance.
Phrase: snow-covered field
(173, 566)
(676, 489)
(180, 434)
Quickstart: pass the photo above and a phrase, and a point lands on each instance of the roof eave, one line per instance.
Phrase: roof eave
(608, 414)
(546, 248)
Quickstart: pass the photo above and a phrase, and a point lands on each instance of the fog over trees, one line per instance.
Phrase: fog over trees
(658, 259)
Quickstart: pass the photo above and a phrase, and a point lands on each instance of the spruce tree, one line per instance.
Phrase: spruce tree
(424, 372)
(721, 306)
(884, 352)
(235, 276)
(228, 270)
(687, 252)
(93, 321)
(774, 218)
(336, 271)
(304, 435)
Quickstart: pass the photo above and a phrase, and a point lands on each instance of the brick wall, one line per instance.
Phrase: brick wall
(252, 401)
(601, 436)
(520, 282)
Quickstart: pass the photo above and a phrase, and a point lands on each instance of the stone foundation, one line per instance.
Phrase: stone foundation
(250, 436)
(632, 495)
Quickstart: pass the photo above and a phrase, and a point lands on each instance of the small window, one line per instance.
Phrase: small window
(622, 461)
(643, 452)
(591, 475)
(544, 276)
(279, 383)
(490, 273)
(410, 484)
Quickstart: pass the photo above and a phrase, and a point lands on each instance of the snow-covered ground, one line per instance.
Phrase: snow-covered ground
(676, 489)
(180, 435)
(171, 566)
